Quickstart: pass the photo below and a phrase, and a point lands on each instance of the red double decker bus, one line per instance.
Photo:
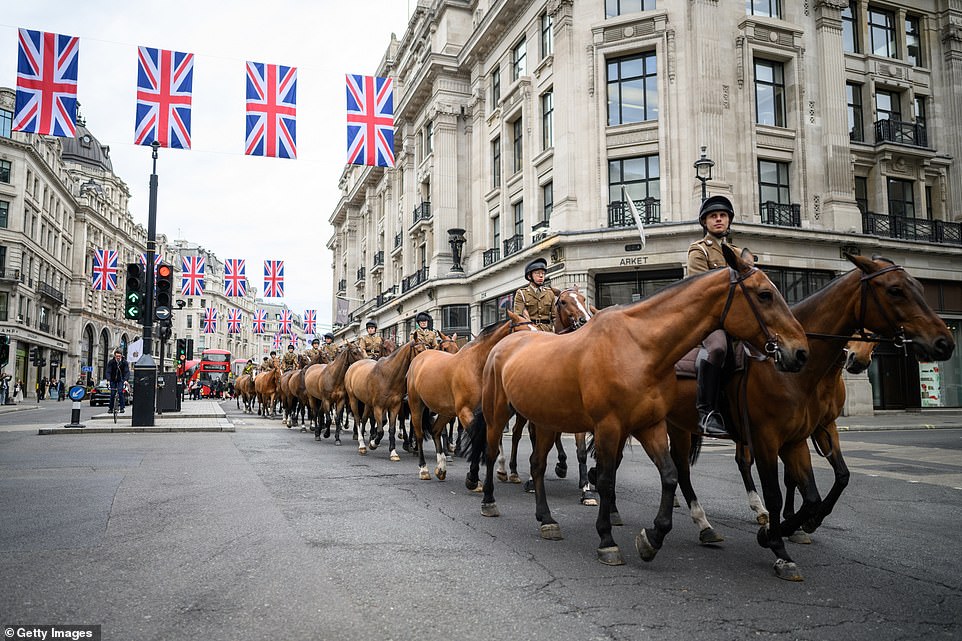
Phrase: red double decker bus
(211, 371)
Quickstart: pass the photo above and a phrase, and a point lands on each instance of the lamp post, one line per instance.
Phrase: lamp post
(145, 370)
(703, 171)
(456, 239)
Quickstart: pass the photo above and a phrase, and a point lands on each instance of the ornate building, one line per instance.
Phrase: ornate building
(832, 125)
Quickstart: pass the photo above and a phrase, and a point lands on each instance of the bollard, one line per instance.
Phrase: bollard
(76, 394)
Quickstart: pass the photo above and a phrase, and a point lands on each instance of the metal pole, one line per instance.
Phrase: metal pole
(704, 190)
(145, 370)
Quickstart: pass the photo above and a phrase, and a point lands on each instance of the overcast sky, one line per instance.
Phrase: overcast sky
(234, 205)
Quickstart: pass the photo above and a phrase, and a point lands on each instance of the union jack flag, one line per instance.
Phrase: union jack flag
(370, 121)
(192, 275)
(105, 270)
(210, 320)
(294, 340)
(158, 259)
(273, 278)
(164, 80)
(276, 343)
(235, 277)
(271, 110)
(47, 84)
(286, 320)
(310, 321)
(234, 321)
(260, 321)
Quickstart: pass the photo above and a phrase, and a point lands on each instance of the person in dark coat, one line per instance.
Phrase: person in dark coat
(117, 372)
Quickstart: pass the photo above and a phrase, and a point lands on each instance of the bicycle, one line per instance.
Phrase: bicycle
(115, 402)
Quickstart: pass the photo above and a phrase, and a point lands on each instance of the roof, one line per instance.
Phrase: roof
(84, 149)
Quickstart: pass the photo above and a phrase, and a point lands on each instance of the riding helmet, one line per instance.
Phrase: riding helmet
(716, 203)
(371, 323)
(316, 341)
(537, 263)
(328, 335)
(422, 316)
(290, 347)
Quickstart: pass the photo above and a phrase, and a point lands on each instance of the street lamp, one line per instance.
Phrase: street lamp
(456, 240)
(703, 171)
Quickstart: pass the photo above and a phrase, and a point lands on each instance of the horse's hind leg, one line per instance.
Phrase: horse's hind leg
(771, 537)
(798, 466)
(655, 442)
(680, 448)
(532, 436)
(550, 529)
(589, 496)
(515, 440)
(561, 468)
(829, 447)
(743, 459)
(608, 454)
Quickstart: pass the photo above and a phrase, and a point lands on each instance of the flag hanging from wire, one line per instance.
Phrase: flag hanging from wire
(634, 213)
(370, 121)
(105, 270)
(46, 102)
(164, 81)
(260, 321)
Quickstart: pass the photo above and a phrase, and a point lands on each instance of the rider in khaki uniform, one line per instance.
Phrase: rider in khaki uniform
(427, 336)
(313, 352)
(715, 216)
(249, 368)
(536, 301)
(370, 344)
(289, 361)
(329, 347)
(269, 363)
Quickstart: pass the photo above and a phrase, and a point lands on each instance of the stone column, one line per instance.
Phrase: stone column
(950, 32)
(570, 99)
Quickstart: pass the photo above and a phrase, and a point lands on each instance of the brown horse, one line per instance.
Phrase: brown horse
(292, 387)
(450, 386)
(266, 386)
(614, 377)
(328, 388)
(244, 391)
(375, 389)
(571, 312)
(777, 414)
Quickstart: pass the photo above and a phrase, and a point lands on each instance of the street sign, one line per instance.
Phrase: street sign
(77, 393)
(162, 313)
(87, 368)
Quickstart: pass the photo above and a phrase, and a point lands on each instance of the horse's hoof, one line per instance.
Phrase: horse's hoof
(489, 509)
(362, 451)
(441, 474)
(615, 519)
(471, 483)
(561, 470)
(529, 486)
(502, 476)
(645, 549)
(372, 446)
(800, 537)
(611, 556)
(762, 519)
(394, 456)
(514, 478)
(317, 437)
(406, 447)
(589, 498)
(303, 429)
(551, 532)
(787, 570)
(424, 475)
(327, 433)
(477, 489)
(337, 441)
(709, 536)
(452, 448)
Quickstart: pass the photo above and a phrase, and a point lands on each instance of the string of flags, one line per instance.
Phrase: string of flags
(46, 103)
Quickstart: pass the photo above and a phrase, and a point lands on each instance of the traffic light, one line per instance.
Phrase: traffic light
(135, 300)
(181, 350)
(4, 350)
(190, 349)
(34, 356)
(165, 292)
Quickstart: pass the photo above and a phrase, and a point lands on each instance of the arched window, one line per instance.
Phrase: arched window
(104, 355)
(87, 349)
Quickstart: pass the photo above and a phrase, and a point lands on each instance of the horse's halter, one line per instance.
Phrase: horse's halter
(734, 278)
(576, 322)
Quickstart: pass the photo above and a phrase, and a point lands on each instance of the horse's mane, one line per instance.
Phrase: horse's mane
(487, 331)
(664, 291)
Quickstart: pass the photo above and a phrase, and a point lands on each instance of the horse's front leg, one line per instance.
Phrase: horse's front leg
(589, 496)
(828, 445)
(550, 529)
(608, 444)
(744, 461)
(771, 537)
(532, 436)
(440, 452)
(561, 468)
(798, 467)
(681, 449)
(515, 441)
(655, 441)
(392, 428)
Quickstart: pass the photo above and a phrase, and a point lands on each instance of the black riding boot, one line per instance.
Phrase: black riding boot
(709, 383)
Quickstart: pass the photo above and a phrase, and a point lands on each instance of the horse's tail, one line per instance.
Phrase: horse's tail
(590, 445)
(425, 421)
(695, 449)
(472, 448)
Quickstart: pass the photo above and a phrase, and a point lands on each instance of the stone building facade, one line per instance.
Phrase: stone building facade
(832, 126)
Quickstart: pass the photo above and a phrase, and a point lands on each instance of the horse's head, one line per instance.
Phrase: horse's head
(449, 344)
(387, 346)
(858, 356)
(892, 303)
(761, 316)
(520, 323)
(571, 309)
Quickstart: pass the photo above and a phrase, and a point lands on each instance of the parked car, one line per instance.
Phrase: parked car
(100, 394)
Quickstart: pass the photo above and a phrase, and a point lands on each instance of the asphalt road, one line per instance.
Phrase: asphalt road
(266, 534)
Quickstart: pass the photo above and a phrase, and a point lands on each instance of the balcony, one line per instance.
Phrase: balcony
(490, 256)
(422, 213)
(43, 327)
(787, 215)
(513, 245)
(901, 133)
(398, 240)
(52, 293)
(385, 296)
(361, 273)
(12, 275)
(342, 286)
(417, 278)
(619, 215)
(378, 261)
(921, 229)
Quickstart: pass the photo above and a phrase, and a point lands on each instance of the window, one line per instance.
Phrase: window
(919, 109)
(4, 213)
(518, 57)
(850, 29)
(518, 144)
(190, 321)
(496, 162)
(767, 8)
(547, 120)
(614, 8)
(928, 202)
(454, 318)
(796, 284)
(428, 138)
(6, 123)
(888, 105)
(496, 231)
(493, 309)
(639, 175)
(4, 171)
(4, 306)
(861, 193)
(881, 29)
(495, 86)
(855, 129)
(518, 218)
(773, 182)
(632, 89)
(547, 198)
(913, 40)
(901, 198)
(769, 93)
(547, 35)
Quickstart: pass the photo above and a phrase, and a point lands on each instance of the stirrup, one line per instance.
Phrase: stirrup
(712, 426)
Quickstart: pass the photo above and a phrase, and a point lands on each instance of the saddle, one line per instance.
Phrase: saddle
(738, 355)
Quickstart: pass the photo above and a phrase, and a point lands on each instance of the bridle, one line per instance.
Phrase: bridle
(576, 322)
(736, 278)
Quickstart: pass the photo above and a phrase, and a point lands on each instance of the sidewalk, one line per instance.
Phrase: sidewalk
(195, 416)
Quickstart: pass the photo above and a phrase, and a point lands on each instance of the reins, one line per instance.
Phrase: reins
(734, 278)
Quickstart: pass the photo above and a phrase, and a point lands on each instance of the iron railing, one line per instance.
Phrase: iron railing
(923, 229)
(51, 292)
(417, 278)
(342, 285)
(513, 245)
(782, 214)
(385, 296)
(490, 256)
(397, 239)
(379, 258)
(900, 132)
(360, 274)
(422, 212)
(649, 210)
